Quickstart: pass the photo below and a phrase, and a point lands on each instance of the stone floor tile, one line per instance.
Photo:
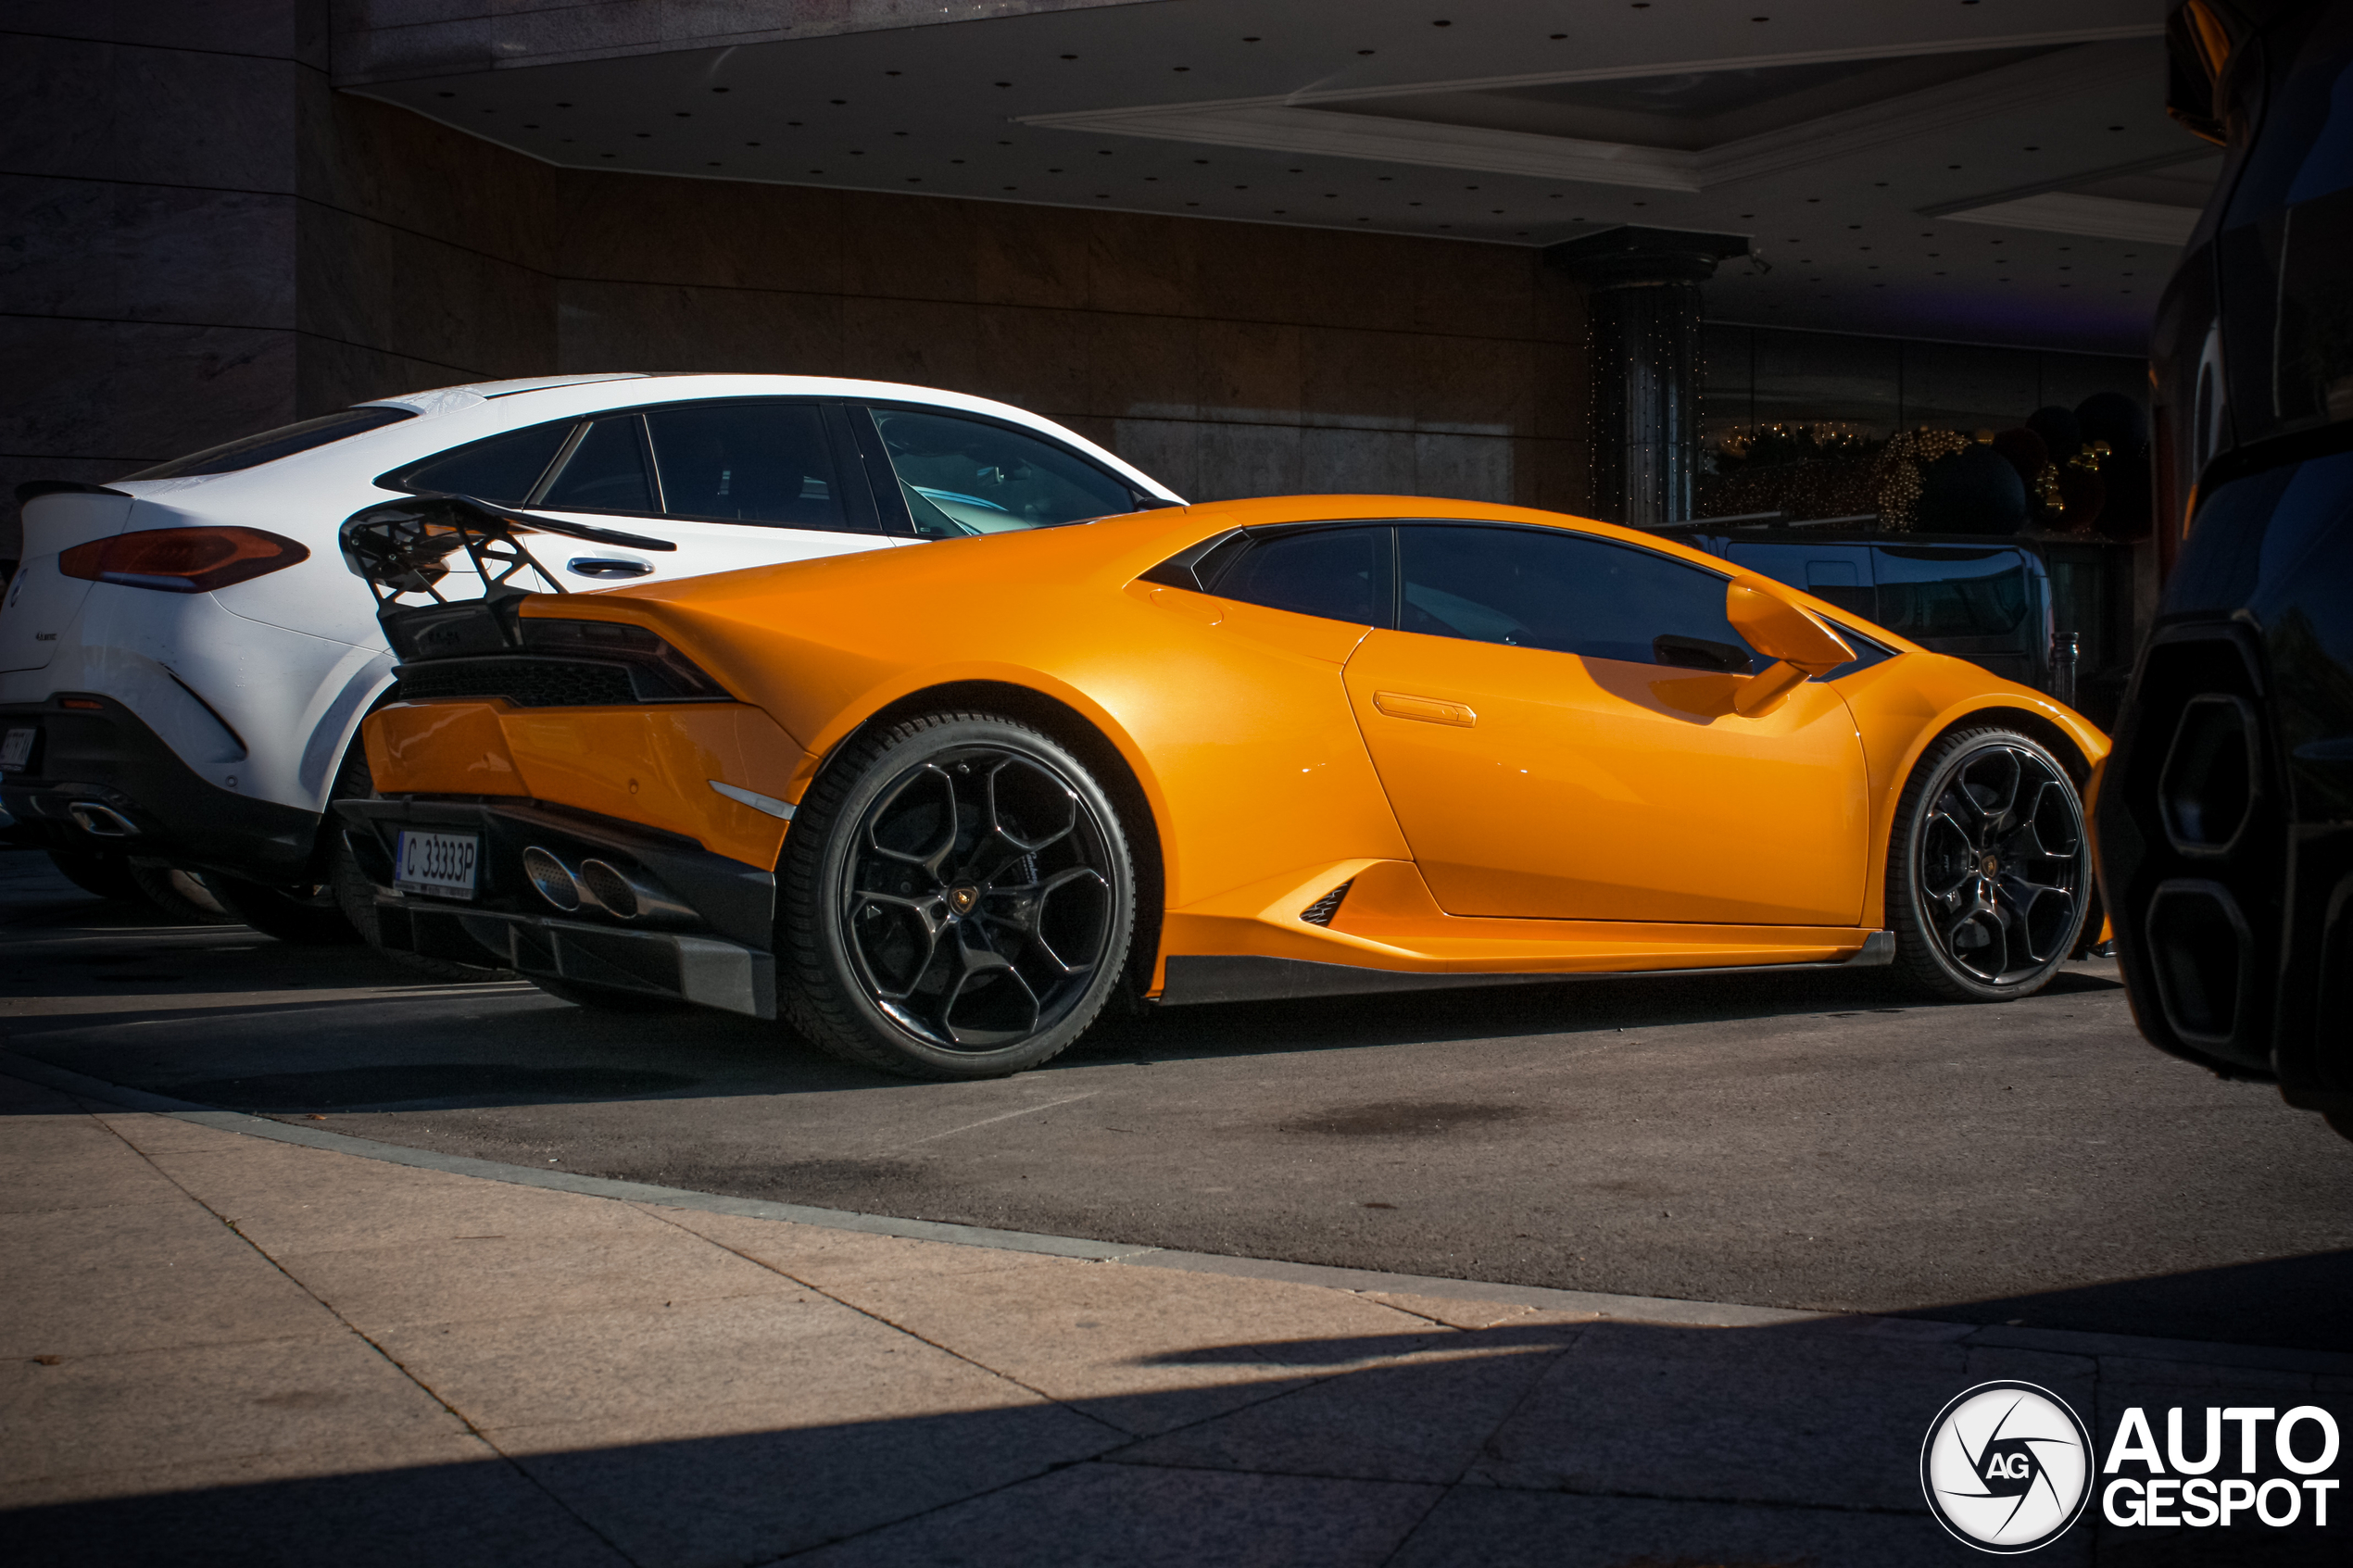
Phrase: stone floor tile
(1425, 1418)
(748, 1495)
(841, 1256)
(644, 1265)
(197, 1472)
(700, 1369)
(464, 1510)
(1143, 1516)
(1473, 1314)
(1123, 1344)
(85, 1282)
(155, 1408)
(1740, 1415)
(73, 1163)
(289, 1199)
(151, 1134)
(1478, 1527)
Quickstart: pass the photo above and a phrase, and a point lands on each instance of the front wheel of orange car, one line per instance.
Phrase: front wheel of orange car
(956, 899)
(1989, 872)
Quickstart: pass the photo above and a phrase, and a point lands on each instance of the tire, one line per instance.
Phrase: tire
(1989, 870)
(181, 897)
(300, 917)
(607, 999)
(355, 894)
(103, 876)
(956, 899)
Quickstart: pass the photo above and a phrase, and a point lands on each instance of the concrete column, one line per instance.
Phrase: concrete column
(1642, 348)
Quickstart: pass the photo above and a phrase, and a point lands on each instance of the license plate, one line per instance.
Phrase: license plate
(437, 862)
(16, 749)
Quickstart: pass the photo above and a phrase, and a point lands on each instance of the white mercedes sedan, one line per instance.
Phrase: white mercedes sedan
(185, 657)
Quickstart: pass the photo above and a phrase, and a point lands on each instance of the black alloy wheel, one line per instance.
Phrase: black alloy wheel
(1989, 872)
(956, 899)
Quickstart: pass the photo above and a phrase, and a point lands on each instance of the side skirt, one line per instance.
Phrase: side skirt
(1243, 978)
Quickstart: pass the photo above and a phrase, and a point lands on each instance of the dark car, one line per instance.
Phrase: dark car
(2054, 614)
(2225, 816)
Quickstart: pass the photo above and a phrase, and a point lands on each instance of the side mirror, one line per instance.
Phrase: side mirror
(1779, 629)
(1776, 628)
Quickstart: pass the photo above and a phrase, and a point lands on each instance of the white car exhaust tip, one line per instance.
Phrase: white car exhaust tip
(101, 821)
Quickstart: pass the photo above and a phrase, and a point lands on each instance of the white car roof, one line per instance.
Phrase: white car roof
(450, 416)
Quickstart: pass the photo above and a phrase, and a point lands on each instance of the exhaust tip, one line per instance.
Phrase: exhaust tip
(549, 875)
(101, 821)
(610, 888)
(2202, 949)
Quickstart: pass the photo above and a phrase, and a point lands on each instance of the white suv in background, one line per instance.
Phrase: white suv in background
(185, 657)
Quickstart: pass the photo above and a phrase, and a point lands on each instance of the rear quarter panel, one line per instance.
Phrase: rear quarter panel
(1237, 728)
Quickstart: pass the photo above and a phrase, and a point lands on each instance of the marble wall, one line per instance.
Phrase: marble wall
(1230, 360)
(203, 239)
(148, 212)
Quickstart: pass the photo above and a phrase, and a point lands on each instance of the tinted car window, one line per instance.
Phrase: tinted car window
(1538, 588)
(963, 476)
(503, 468)
(1339, 573)
(271, 445)
(750, 462)
(1927, 592)
(605, 473)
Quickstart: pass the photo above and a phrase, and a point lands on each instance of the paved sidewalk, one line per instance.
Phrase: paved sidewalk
(222, 1347)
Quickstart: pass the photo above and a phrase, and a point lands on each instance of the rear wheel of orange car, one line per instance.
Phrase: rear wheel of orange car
(1989, 871)
(956, 899)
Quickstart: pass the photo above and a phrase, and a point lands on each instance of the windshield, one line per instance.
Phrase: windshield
(965, 476)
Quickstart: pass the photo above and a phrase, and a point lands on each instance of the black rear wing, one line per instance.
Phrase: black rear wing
(402, 550)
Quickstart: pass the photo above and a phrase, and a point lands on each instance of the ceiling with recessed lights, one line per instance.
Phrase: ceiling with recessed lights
(1979, 171)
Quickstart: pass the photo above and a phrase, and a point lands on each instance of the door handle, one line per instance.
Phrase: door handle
(1428, 709)
(607, 566)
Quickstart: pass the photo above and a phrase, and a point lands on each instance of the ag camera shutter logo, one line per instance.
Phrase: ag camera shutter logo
(2006, 1467)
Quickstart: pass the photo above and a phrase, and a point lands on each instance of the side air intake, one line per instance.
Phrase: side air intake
(1321, 911)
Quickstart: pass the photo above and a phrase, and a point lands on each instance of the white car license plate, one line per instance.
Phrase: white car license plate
(16, 749)
(437, 862)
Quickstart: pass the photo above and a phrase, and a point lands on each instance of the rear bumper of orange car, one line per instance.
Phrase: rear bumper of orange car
(650, 913)
(665, 810)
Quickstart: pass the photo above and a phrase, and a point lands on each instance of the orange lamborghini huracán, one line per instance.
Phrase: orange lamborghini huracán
(938, 804)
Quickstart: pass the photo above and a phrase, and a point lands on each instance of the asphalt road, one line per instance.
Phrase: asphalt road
(1802, 1141)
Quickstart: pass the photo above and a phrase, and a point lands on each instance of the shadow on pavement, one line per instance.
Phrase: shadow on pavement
(1564, 1445)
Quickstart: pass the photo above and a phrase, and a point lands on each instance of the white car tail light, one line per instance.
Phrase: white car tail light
(182, 560)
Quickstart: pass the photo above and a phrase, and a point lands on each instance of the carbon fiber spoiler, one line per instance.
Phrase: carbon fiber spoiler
(401, 550)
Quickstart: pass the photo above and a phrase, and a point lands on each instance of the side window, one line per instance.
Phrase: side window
(747, 462)
(963, 476)
(1339, 573)
(606, 471)
(503, 468)
(1538, 588)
